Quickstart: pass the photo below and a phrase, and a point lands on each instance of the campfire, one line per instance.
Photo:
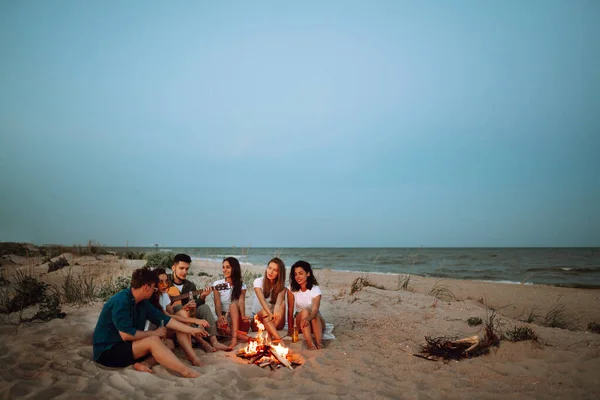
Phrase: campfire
(262, 352)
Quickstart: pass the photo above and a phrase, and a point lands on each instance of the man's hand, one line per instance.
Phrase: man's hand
(160, 332)
(200, 332)
(190, 304)
(205, 292)
(222, 320)
(277, 314)
(201, 322)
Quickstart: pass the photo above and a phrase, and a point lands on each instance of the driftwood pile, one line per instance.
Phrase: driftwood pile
(447, 348)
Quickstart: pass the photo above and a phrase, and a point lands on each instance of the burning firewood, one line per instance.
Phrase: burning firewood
(263, 353)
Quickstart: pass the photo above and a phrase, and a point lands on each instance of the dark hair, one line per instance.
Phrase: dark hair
(310, 281)
(155, 299)
(236, 277)
(271, 292)
(143, 276)
(182, 257)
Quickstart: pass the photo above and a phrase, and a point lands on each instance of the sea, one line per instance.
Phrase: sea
(570, 267)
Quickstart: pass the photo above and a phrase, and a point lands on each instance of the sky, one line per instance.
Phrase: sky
(300, 124)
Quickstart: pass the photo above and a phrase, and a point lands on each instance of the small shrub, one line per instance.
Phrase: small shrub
(202, 273)
(133, 255)
(113, 286)
(161, 259)
(474, 321)
(594, 327)
(520, 334)
(442, 292)
(28, 291)
(58, 264)
(49, 306)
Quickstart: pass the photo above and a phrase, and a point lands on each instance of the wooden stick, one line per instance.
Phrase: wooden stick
(279, 358)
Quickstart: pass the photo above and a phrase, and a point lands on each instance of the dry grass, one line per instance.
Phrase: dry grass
(442, 292)
(557, 317)
(362, 282)
(404, 282)
(340, 293)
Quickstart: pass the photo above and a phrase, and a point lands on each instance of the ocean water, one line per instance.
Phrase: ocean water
(574, 267)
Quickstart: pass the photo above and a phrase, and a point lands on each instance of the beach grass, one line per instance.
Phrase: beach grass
(558, 317)
(442, 292)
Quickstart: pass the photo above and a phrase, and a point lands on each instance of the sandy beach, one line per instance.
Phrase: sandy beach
(376, 331)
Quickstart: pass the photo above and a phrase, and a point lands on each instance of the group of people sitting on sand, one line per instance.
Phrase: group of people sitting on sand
(140, 325)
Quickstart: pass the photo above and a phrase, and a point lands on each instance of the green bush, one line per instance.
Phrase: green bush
(161, 259)
(520, 334)
(49, 306)
(133, 255)
(58, 264)
(114, 286)
(28, 291)
(474, 321)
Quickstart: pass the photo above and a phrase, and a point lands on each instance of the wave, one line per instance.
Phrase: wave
(565, 269)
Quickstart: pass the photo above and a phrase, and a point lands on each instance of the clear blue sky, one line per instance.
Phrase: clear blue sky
(337, 123)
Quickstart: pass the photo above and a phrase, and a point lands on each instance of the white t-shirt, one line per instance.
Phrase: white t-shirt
(164, 300)
(256, 307)
(304, 300)
(225, 295)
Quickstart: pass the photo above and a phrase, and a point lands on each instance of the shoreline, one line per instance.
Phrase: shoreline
(376, 332)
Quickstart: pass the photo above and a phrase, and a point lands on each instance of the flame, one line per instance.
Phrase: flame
(259, 324)
(251, 348)
(282, 351)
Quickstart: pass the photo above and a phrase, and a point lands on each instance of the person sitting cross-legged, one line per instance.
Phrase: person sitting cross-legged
(119, 336)
(178, 279)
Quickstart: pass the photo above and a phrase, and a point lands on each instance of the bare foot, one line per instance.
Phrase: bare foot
(140, 366)
(319, 346)
(190, 373)
(310, 346)
(233, 342)
(195, 361)
(220, 346)
(206, 346)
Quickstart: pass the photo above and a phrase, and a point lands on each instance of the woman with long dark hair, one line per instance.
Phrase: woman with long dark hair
(304, 300)
(269, 299)
(230, 304)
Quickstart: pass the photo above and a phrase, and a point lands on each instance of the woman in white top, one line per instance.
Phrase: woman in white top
(230, 303)
(304, 297)
(269, 300)
(162, 301)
